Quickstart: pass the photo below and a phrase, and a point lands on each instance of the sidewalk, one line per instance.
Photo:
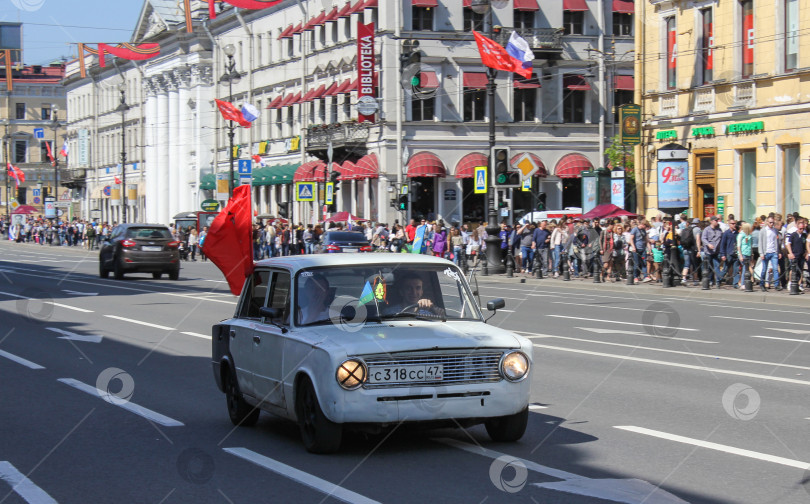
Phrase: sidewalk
(653, 289)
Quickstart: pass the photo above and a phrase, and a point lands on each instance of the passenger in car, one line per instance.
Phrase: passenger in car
(314, 299)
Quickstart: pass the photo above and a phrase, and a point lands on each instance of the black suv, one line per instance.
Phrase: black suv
(139, 248)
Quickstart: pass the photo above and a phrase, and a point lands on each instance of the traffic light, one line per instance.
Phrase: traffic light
(503, 175)
(541, 204)
(402, 202)
(331, 208)
(283, 209)
(333, 177)
(410, 54)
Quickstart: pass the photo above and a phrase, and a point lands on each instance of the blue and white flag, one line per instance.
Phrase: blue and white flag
(518, 48)
(251, 113)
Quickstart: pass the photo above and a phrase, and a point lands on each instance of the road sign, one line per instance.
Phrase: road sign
(39, 133)
(37, 192)
(330, 193)
(244, 180)
(305, 191)
(526, 185)
(65, 196)
(62, 204)
(480, 180)
(245, 167)
(526, 165)
(404, 189)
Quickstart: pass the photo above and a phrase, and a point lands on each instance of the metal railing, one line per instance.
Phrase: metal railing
(538, 38)
(318, 137)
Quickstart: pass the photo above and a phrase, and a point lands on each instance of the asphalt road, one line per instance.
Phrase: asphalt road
(641, 394)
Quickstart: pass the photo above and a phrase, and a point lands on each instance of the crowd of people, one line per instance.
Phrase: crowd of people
(41, 231)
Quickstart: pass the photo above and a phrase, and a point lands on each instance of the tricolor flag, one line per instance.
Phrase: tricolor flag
(495, 56)
(249, 112)
(518, 48)
(64, 151)
(15, 173)
(231, 113)
(258, 160)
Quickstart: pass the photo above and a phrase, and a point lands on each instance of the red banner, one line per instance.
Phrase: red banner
(366, 74)
(229, 242)
(242, 4)
(495, 56)
(124, 51)
(748, 39)
(672, 48)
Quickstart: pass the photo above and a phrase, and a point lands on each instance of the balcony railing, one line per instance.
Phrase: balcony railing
(668, 105)
(704, 100)
(539, 39)
(341, 135)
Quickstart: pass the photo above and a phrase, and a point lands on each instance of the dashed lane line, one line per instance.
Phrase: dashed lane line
(760, 320)
(716, 446)
(55, 304)
(197, 335)
(611, 307)
(122, 403)
(19, 360)
(783, 339)
(613, 322)
(314, 482)
(23, 486)
(147, 324)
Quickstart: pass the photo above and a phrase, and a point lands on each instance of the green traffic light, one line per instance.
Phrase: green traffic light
(501, 178)
(415, 81)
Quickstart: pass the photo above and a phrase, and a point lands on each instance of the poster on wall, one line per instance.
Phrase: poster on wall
(617, 192)
(673, 184)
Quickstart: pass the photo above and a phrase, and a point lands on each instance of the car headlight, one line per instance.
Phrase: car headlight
(515, 366)
(351, 374)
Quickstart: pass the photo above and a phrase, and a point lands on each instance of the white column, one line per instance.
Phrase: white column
(184, 128)
(150, 153)
(367, 199)
(162, 165)
(263, 199)
(353, 208)
(174, 148)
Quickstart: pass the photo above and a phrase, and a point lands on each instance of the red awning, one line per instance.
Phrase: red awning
(359, 7)
(426, 164)
(331, 90)
(319, 172)
(348, 86)
(575, 5)
(466, 4)
(526, 5)
(541, 172)
(428, 80)
(287, 33)
(276, 102)
(286, 101)
(367, 167)
(346, 11)
(477, 80)
(370, 4)
(308, 97)
(570, 166)
(521, 83)
(465, 168)
(424, 3)
(298, 29)
(304, 173)
(624, 6)
(318, 92)
(576, 83)
(316, 21)
(624, 82)
(347, 170)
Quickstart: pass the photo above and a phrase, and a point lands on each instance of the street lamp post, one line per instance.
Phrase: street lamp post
(8, 175)
(233, 77)
(493, 253)
(123, 107)
(55, 126)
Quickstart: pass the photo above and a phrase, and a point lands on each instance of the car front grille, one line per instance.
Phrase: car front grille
(476, 366)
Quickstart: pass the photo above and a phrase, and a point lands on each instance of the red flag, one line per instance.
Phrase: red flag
(231, 113)
(229, 240)
(242, 4)
(15, 173)
(495, 56)
(50, 154)
(117, 180)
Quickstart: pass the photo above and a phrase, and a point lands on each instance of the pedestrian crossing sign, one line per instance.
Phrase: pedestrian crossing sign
(305, 191)
(526, 184)
(330, 193)
(480, 180)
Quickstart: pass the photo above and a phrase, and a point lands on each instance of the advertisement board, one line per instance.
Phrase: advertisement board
(673, 184)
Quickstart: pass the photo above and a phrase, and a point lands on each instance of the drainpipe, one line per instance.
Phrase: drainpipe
(600, 12)
(397, 41)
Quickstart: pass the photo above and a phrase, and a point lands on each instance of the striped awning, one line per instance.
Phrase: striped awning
(367, 167)
(275, 102)
(624, 6)
(465, 168)
(571, 165)
(526, 5)
(426, 164)
(306, 172)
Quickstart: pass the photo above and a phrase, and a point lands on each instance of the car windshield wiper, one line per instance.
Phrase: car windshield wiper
(416, 316)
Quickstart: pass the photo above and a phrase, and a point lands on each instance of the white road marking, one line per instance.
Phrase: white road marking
(636, 333)
(506, 311)
(92, 338)
(607, 306)
(749, 308)
(613, 321)
(716, 446)
(651, 349)
(314, 482)
(77, 293)
(792, 331)
(536, 407)
(23, 486)
(129, 406)
(198, 335)
(630, 491)
(675, 364)
(55, 304)
(156, 326)
(760, 320)
(783, 339)
(19, 360)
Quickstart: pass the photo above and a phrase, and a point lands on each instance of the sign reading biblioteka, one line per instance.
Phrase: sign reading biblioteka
(366, 75)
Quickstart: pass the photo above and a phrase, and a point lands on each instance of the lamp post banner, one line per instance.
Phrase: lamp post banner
(366, 73)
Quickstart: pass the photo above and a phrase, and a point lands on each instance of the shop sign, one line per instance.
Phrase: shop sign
(721, 205)
(366, 74)
(210, 205)
(630, 119)
(449, 195)
(673, 184)
(745, 127)
(666, 135)
(703, 132)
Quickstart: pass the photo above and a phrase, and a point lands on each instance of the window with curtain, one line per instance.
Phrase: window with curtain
(524, 20)
(622, 24)
(790, 161)
(748, 164)
(791, 35)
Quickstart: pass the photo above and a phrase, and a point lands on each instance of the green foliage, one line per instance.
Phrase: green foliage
(622, 156)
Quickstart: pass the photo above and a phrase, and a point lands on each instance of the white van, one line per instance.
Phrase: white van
(551, 214)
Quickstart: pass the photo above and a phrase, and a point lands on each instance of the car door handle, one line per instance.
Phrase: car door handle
(257, 339)
(232, 334)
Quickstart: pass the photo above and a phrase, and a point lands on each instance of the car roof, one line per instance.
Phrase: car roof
(138, 224)
(299, 262)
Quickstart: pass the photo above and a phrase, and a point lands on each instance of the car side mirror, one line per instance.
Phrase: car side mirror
(271, 313)
(496, 304)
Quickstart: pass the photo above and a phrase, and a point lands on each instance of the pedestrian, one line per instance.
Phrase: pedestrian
(607, 241)
(309, 239)
(796, 245)
(526, 232)
(658, 260)
(193, 240)
(439, 241)
(541, 240)
(710, 253)
(201, 240)
(456, 244)
(285, 240)
(728, 253)
(269, 240)
(769, 248)
(559, 237)
(638, 247)
(744, 252)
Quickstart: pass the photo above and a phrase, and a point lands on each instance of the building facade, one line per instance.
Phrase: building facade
(32, 114)
(726, 106)
(298, 64)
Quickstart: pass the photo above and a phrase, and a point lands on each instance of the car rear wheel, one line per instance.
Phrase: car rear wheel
(174, 274)
(118, 271)
(157, 276)
(241, 413)
(319, 434)
(102, 271)
(508, 428)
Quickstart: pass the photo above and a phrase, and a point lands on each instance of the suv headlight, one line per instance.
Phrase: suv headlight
(514, 366)
(351, 374)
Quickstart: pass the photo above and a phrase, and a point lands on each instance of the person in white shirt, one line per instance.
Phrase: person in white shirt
(769, 248)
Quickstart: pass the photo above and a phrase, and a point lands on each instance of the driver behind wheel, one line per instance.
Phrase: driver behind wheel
(410, 293)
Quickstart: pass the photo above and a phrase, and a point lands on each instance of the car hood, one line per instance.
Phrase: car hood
(414, 335)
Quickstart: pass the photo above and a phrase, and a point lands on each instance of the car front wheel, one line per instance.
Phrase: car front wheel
(241, 413)
(508, 428)
(320, 435)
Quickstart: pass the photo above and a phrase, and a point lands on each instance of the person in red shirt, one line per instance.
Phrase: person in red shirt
(410, 231)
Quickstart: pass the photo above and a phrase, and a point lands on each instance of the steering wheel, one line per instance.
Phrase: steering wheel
(425, 312)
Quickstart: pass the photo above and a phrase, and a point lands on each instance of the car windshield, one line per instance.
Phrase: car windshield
(145, 233)
(353, 295)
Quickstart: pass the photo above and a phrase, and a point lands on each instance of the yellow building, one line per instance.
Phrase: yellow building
(725, 93)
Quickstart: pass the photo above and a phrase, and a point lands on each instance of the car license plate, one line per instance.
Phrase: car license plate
(350, 249)
(154, 248)
(408, 373)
